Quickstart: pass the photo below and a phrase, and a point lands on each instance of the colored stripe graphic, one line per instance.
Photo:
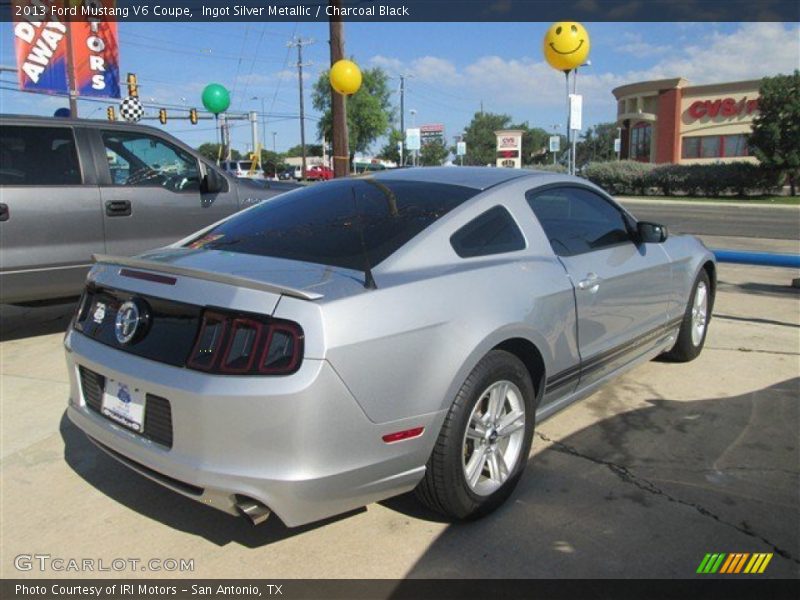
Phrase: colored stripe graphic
(727, 564)
(734, 563)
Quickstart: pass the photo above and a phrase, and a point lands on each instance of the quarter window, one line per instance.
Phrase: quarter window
(38, 156)
(136, 159)
(494, 232)
(576, 220)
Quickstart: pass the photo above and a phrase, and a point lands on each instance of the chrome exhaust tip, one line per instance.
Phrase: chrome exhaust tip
(255, 512)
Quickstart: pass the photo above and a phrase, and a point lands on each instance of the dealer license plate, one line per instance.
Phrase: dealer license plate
(125, 404)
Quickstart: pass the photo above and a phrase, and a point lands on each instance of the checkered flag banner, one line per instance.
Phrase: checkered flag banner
(131, 109)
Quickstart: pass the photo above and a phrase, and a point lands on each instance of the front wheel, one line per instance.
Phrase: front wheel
(692, 334)
(484, 443)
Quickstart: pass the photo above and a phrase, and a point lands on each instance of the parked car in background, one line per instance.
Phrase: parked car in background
(360, 338)
(319, 173)
(73, 188)
(241, 168)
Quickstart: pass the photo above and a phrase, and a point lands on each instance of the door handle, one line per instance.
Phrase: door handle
(118, 208)
(5, 214)
(591, 283)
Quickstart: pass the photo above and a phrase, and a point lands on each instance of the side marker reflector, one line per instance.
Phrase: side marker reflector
(403, 435)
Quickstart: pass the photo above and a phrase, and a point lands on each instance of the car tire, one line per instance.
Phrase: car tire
(694, 327)
(505, 437)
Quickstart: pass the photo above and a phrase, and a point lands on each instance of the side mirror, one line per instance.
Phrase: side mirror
(213, 182)
(651, 233)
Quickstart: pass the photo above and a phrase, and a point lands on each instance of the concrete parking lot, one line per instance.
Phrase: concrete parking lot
(640, 480)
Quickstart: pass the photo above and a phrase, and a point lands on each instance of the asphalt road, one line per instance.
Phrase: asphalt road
(773, 222)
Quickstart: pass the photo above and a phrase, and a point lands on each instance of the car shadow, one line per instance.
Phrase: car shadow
(156, 502)
(762, 289)
(18, 322)
(644, 493)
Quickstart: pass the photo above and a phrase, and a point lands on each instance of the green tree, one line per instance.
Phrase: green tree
(212, 151)
(272, 162)
(776, 129)
(480, 138)
(390, 150)
(482, 142)
(597, 144)
(311, 150)
(433, 154)
(369, 110)
(535, 142)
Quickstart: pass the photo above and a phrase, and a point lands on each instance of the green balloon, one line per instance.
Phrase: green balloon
(216, 98)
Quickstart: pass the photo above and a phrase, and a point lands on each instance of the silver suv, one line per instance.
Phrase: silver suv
(71, 188)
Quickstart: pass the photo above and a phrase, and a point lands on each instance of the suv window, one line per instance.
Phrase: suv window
(577, 220)
(139, 159)
(494, 232)
(38, 156)
(342, 223)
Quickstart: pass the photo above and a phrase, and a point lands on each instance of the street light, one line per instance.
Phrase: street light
(274, 135)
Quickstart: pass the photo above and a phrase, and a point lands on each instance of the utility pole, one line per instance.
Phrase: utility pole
(341, 143)
(299, 43)
(73, 90)
(403, 78)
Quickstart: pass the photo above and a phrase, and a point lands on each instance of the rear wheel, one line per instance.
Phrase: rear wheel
(484, 443)
(692, 334)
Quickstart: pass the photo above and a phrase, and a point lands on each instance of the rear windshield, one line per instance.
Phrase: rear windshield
(326, 223)
(245, 166)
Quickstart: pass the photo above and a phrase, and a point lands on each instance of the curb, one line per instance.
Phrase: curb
(679, 202)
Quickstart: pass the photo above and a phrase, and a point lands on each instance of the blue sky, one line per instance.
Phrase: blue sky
(455, 66)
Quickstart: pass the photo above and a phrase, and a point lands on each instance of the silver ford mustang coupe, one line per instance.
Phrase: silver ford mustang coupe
(360, 338)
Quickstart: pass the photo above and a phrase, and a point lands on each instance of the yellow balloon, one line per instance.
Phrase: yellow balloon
(345, 77)
(566, 45)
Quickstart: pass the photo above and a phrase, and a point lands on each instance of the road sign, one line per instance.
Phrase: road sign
(575, 112)
(617, 145)
(555, 143)
(461, 148)
(413, 139)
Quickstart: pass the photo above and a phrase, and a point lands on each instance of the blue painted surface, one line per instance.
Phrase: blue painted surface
(767, 259)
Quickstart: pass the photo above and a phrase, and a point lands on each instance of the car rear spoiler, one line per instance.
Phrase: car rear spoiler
(235, 280)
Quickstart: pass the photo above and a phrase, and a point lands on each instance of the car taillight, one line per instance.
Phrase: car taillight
(236, 344)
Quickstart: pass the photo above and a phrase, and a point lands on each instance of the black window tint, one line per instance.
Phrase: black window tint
(325, 223)
(38, 156)
(577, 220)
(494, 232)
(136, 159)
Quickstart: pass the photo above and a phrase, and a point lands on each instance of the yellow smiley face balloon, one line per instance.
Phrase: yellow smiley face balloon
(566, 45)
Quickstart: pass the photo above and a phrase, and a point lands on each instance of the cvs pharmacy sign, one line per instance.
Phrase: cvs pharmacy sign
(722, 107)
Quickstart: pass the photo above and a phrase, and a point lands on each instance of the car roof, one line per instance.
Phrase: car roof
(43, 120)
(479, 178)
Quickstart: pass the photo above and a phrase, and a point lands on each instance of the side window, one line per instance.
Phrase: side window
(38, 156)
(576, 220)
(494, 232)
(137, 159)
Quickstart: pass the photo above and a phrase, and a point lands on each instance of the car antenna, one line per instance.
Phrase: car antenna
(369, 280)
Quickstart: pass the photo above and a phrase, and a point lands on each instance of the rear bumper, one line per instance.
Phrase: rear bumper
(299, 444)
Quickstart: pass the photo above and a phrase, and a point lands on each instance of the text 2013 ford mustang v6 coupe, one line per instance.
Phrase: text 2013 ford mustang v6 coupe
(360, 338)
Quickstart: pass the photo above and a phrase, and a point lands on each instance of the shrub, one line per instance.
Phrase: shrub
(620, 177)
(712, 180)
(550, 168)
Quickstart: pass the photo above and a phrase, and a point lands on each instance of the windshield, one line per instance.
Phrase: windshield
(325, 223)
